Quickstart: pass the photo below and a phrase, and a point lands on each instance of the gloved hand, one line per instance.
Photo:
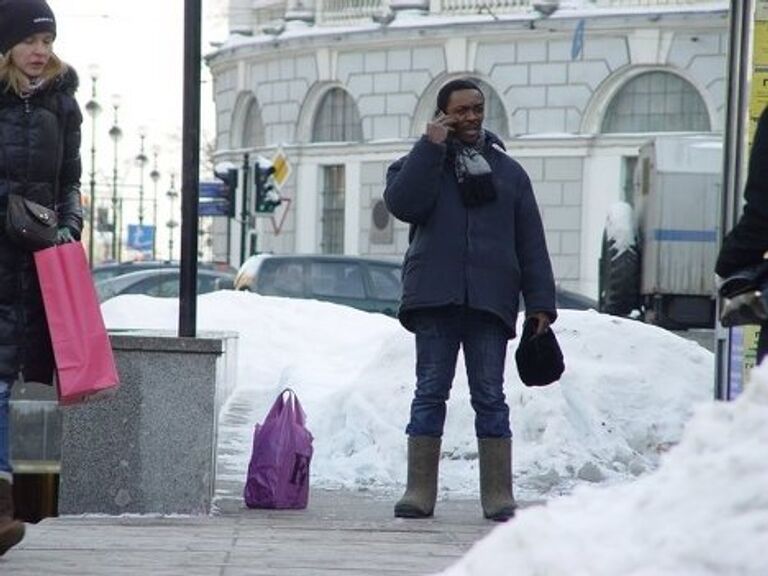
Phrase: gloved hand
(64, 235)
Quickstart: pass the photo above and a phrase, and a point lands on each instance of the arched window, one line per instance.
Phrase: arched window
(656, 102)
(495, 118)
(337, 119)
(253, 127)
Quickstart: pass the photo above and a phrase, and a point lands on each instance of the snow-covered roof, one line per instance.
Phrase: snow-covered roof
(406, 19)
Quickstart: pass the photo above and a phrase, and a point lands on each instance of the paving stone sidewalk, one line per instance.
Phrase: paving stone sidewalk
(341, 533)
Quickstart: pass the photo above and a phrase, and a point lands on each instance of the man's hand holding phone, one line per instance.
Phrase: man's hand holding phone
(440, 127)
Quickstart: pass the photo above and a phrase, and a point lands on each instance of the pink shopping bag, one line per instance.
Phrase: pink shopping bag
(278, 474)
(81, 348)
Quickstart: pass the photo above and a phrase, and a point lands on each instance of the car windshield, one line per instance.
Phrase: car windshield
(104, 274)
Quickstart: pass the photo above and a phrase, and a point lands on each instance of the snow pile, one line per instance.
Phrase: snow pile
(626, 392)
(704, 512)
(620, 227)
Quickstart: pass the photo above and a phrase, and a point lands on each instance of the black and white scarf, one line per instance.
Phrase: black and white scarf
(473, 172)
(33, 86)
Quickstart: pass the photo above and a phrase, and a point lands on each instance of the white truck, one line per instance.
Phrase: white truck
(658, 254)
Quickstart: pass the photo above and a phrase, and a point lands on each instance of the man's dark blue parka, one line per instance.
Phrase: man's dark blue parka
(481, 256)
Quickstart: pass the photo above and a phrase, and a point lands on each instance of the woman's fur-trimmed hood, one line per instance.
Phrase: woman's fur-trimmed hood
(68, 82)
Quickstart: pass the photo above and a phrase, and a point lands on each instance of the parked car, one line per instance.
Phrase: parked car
(363, 283)
(113, 269)
(159, 282)
(568, 300)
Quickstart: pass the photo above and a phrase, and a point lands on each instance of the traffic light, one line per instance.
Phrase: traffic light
(103, 223)
(229, 178)
(267, 197)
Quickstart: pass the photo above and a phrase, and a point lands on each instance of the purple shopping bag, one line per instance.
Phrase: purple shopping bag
(278, 474)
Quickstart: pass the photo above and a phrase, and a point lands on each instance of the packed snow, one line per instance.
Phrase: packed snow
(620, 227)
(623, 400)
(704, 512)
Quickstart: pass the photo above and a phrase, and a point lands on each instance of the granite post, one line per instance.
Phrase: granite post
(150, 448)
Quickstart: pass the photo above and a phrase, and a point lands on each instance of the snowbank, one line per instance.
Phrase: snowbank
(626, 392)
(704, 512)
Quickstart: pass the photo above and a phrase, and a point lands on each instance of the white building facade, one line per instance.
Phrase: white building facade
(345, 87)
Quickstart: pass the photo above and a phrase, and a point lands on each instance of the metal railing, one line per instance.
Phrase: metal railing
(348, 12)
(640, 3)
(478, 6)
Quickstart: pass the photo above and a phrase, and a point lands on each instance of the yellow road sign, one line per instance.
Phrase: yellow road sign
(760, 55)
(282, 168)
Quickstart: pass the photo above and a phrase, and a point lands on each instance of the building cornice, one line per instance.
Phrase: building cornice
(480, 28)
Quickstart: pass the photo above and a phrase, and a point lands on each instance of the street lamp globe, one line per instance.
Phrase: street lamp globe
(116, 133)
(93, 108)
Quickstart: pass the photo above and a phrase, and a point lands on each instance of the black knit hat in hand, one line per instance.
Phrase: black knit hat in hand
(539, 358)
(20, 19)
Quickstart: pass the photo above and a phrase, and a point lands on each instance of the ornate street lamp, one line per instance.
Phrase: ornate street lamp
(93, 108)
(116, 134)
(155, 177)
(141, 161)
(171, 224)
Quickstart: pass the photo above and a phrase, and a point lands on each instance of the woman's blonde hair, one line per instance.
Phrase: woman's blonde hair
(16, 81)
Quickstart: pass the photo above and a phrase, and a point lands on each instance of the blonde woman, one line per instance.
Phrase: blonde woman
(39, 161)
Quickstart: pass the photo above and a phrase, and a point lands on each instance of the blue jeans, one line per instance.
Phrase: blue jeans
(5, 417)
(439, 333)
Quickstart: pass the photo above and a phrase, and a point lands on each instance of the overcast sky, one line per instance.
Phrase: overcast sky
(138, 49)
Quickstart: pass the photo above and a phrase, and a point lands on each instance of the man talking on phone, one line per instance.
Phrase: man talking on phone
(476, 244)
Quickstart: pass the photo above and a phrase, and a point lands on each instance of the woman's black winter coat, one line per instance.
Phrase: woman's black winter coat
(40, 159)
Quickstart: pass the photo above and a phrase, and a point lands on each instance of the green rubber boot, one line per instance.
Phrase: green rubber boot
(496, 478)
(421, 492)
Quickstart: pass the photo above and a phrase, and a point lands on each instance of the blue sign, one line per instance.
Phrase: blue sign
(213, 207)
(215, 189)
(215, 198)
(578, 40)
(140, 237)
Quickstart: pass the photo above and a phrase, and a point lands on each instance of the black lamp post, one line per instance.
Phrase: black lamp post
(93, 109)
(171, 224)
(190, 161)
(116, 134)
(154, 175)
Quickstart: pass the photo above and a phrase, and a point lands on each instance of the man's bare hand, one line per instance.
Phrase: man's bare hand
(439, 128)
(542, 324)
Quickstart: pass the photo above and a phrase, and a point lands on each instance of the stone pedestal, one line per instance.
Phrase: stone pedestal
(151, 448)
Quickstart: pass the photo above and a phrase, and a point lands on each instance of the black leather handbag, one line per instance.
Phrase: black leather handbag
(745, 296)
(30, 225)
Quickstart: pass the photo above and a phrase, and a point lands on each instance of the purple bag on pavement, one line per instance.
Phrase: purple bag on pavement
(278, 474)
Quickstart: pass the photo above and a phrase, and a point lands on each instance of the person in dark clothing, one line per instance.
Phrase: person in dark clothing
(747, 243)
(476, 243)
(39, 160)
